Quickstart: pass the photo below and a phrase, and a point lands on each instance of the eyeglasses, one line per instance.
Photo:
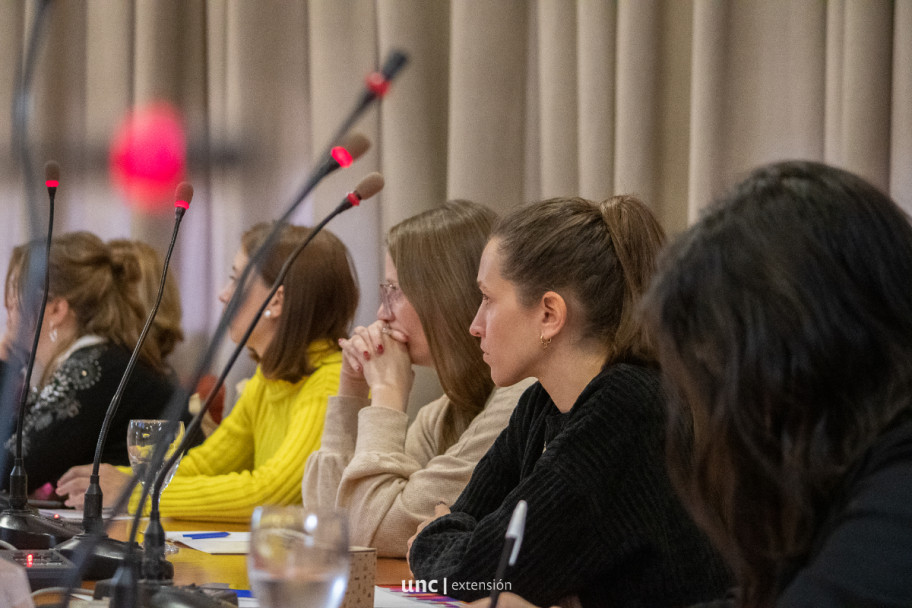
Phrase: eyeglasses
(389, 294)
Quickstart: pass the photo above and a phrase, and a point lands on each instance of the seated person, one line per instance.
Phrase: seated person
(386, 474)
(257, 454)
(784, 320)
(561, 281)
(92, 322)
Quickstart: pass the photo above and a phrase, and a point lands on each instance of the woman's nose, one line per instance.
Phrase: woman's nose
(384, 313)
(224, 295)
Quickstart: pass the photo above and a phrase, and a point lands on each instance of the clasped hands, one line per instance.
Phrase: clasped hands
(375, 361)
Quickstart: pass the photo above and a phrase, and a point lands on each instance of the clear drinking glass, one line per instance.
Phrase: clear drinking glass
(298, 557)
(142, 437)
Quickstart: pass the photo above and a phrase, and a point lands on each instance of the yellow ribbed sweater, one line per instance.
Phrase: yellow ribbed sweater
(257, 454)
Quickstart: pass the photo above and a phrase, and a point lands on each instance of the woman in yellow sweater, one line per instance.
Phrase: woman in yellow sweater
(257, 455)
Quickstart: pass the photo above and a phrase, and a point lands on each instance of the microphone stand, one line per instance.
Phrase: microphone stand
(106, 553)
(154, 565)
(20, 525)
(124, 582)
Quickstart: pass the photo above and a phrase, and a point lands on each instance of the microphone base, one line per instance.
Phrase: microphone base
(153, 594)
(107, 554)
(25, 529)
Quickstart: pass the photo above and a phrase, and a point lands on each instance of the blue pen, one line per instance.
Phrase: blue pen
(205, 535)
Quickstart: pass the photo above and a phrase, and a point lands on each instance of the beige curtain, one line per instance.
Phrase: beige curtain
(503, 102)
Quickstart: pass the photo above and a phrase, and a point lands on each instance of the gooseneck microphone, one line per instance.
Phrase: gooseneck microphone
(19, 525)
(123, 585)
(376, 84)
(106, 553)
(124, 588)
(154, 565)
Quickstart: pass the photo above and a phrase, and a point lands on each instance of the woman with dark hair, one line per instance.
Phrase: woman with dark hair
(560, 282)
(784, 321)
(92, 321)
(256, 455)
(386, 474)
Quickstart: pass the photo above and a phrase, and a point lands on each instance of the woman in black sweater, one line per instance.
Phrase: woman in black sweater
(560, 282)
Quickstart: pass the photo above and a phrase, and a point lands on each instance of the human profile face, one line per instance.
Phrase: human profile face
(509, 331)
(398, 313)
(262, 334)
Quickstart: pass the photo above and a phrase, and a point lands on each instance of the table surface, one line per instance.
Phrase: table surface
(192, 566)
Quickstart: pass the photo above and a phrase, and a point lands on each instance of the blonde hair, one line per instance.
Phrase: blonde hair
(436, 254)
(166, 329)
(99, 286)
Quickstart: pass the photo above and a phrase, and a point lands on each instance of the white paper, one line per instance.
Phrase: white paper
(233, 543)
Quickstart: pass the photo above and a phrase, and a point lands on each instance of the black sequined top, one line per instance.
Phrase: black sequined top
(63, 419)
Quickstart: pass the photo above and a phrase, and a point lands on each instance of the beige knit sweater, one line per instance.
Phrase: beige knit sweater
(389, 475)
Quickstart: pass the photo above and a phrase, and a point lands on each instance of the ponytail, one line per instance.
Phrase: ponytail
(599, 256)
(637, 239)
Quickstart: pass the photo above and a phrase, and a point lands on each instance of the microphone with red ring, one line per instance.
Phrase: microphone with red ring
(105, 554)
(20, 525)
(124, 588)
(154, 565)
(375, 86)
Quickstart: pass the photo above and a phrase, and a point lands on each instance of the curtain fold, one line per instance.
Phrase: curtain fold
(501, 102)
(901, 116)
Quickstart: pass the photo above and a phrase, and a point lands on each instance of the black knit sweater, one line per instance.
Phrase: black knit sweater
(63, 419)
(603, 522)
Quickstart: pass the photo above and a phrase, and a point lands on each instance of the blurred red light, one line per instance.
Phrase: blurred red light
(148, 155)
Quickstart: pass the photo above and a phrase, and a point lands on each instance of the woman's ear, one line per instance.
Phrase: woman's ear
(553, 314)
(275, 305)
(56, 311)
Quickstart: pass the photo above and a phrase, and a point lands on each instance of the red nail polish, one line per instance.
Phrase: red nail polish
(380, 348)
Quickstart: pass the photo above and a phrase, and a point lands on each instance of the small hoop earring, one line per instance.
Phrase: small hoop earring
(53, 334)
(545, 343)
(267, 313)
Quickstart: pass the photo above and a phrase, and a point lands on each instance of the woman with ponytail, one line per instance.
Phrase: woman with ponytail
(560, 283)
(92, 322)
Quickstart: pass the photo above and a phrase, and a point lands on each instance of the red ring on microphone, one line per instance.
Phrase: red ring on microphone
(354, 199)
(377, 84)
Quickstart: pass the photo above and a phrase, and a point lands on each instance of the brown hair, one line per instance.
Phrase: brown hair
(599, 256)
(320, 295)
(436, 254)
(166, 329)
(784, 323)
(98, 285)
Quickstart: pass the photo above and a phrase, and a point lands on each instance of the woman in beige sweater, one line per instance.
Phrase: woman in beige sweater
(387, 474)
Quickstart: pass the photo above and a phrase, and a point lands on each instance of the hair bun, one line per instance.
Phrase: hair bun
(124, 264)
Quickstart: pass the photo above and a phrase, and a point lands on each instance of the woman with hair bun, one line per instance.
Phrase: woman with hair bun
(560, 283)
(92, 322)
